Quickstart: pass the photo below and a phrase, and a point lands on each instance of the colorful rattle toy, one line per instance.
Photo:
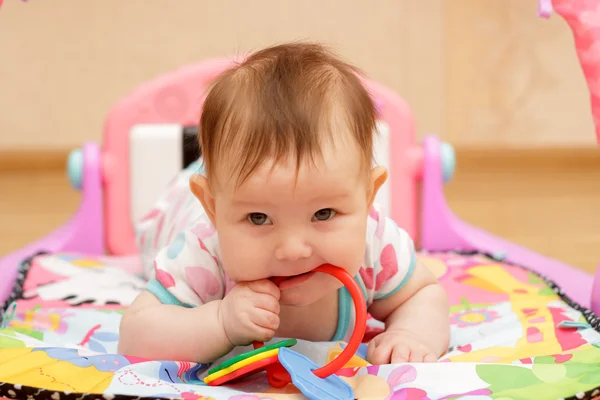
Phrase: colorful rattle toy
(285, 366)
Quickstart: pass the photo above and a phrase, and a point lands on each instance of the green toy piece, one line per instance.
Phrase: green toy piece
(243, 356)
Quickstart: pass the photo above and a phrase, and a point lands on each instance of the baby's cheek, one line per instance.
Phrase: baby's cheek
(242, 257)
(347, 250)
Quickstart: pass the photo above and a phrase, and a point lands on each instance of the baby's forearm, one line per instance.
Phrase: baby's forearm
(426, 315)
(166, 332)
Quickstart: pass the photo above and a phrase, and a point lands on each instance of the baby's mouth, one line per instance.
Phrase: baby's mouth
(287, 282)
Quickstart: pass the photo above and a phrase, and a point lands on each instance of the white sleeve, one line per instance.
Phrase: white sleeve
(392, 255)
(186, 273)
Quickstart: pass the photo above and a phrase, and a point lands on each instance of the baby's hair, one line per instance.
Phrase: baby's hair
(282, 101)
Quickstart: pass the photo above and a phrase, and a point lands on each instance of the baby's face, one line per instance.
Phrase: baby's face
(283, 222)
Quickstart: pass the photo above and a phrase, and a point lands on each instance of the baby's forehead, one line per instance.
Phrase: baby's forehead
(281, 188)
(338, 173)
(335, 152)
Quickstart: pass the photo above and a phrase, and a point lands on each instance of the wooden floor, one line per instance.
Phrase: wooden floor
(551, 207)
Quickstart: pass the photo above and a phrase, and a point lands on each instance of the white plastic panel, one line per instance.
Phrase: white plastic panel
(155, 153)
(382, 157)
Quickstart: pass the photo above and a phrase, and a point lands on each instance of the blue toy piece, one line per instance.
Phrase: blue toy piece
(300, 369)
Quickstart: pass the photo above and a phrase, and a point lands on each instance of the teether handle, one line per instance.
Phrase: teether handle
(359, 326)
(278, 373)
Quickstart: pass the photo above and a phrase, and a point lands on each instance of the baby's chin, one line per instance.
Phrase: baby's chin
(311, 291)
(297, 297)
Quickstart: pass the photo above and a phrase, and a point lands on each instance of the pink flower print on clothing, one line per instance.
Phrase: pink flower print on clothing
(203, 281)
(164, 277)
(380, 224)
(159, 228)
(389, 266)
(373, 214)
(379, 230)
(142, 240)
(367, 276)
(203, 231)
(203, 247)
(150, 215)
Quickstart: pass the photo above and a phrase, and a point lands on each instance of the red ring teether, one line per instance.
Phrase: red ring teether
(276, 372)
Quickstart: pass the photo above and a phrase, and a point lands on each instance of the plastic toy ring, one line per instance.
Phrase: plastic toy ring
(359, 327)
(241, 364)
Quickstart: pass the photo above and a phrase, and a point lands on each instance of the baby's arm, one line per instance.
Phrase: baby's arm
(150, 329)
(185, 315)
(406, 296)
(416, 320)
(157, 331)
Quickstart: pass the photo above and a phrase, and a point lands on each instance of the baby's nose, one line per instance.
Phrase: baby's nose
(292, 248)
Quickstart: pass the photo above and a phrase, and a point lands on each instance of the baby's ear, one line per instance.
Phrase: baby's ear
(201, 189)
(377, 178)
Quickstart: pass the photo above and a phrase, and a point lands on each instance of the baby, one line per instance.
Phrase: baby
(287, 142)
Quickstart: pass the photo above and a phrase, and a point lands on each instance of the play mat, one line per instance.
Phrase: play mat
(514, 336)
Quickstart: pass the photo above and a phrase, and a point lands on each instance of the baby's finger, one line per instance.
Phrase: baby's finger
(430, 358)
(416, 355)
(379, 353)
(266, 319)
(266, 302)
(400, 354)
(262, 334)
(265, 286)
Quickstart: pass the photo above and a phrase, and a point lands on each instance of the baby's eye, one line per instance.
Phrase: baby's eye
(259, 219)
(324, 214)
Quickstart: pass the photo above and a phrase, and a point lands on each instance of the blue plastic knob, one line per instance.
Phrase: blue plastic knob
(75, 169)
(448, 159)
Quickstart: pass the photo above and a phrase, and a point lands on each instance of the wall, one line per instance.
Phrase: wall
(481, 73)
(512, 79)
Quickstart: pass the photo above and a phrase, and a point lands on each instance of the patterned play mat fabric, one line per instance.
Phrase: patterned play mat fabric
(514, 336)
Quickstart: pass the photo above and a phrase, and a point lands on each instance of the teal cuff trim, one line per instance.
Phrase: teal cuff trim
(358, 281)
(411, 269)
(345, 302)
(163, 295)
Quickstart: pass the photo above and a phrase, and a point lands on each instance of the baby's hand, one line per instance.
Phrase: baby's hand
(250, 312)
(392, 347)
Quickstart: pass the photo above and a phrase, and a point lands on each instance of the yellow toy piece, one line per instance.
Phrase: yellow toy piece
(240, 364)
